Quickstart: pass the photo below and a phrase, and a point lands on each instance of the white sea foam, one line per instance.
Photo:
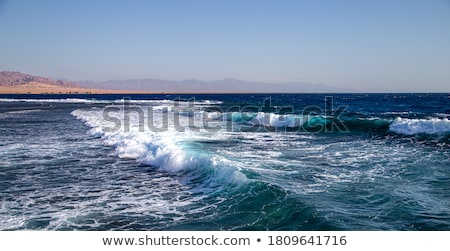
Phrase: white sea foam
(117, 101)
(15, 113)
(24, 111)
(278, 120)
(64, 100)
(420, 126)
(260, 118)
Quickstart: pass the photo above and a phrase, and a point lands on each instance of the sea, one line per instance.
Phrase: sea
(225, 162)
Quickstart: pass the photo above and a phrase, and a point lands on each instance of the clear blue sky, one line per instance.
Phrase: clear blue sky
(366, 45)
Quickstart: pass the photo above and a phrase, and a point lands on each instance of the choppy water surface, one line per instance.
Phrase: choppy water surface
(225, 162)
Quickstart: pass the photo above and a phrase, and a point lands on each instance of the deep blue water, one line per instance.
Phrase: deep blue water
(225, 162)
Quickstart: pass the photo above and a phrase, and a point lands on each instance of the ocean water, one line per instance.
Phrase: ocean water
(225, 162)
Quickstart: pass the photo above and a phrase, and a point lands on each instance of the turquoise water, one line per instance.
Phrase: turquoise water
(225, 162)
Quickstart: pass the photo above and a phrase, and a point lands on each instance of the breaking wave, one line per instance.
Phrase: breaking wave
(435, 126)
(169, 151)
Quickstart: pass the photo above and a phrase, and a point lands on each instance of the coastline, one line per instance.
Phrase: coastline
(51, 89)
(39, 88)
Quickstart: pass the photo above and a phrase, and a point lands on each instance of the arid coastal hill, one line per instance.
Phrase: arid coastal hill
(20, 83)
(12, 82)
(14, 78)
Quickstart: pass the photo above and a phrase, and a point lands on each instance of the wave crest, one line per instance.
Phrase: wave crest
(168, 151)
(433, 126)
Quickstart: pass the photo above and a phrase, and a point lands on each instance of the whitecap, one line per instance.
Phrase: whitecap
(406, 126)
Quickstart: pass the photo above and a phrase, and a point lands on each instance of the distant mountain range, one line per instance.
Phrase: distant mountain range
(198, 86)
(12, 79)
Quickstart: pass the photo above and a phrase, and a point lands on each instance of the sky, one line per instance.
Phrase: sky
(366, 45)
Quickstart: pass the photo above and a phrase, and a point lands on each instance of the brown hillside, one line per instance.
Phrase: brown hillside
(13, 78)
(12, 82)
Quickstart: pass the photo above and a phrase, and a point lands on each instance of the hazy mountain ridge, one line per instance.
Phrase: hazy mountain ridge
(12, 79)
(215, 86)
